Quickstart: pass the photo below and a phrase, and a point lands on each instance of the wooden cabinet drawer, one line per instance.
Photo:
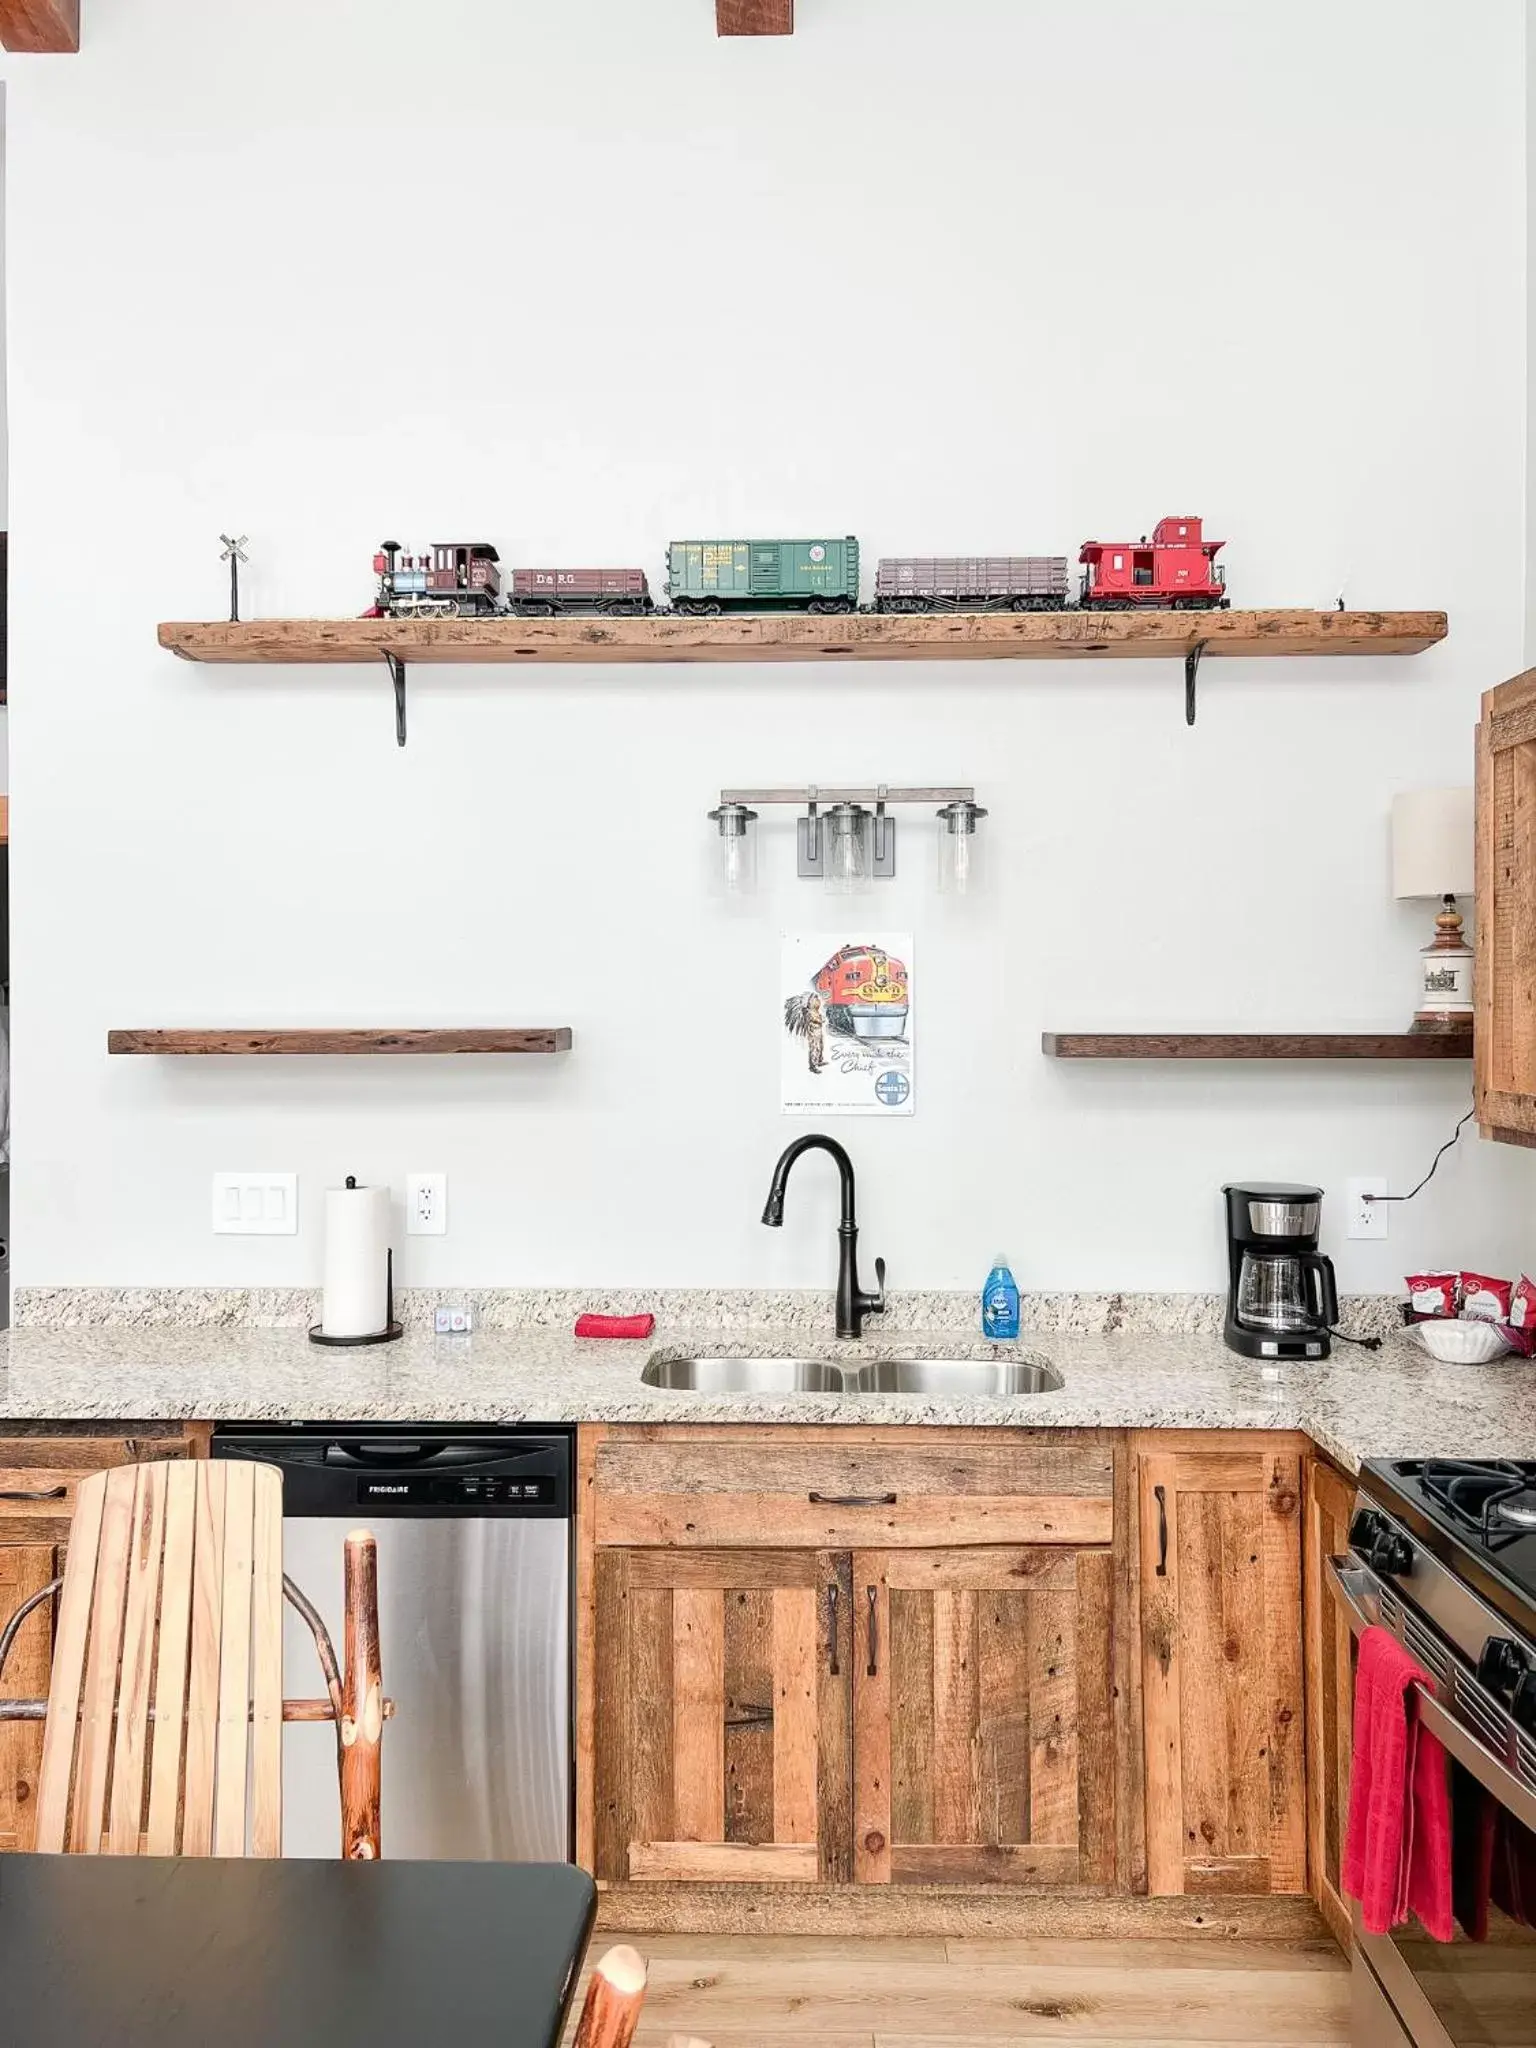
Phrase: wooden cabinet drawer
(40, 1477)
(94, 1453)
(698, 1491)
(33, 1494)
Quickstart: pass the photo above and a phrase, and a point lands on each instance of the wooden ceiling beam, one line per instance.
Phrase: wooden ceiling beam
(755, 17)
(40, 25)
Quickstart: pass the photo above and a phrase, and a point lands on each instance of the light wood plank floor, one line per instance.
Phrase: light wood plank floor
(839, 1992)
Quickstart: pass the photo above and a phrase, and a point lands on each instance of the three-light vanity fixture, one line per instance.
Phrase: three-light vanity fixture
(845, 843)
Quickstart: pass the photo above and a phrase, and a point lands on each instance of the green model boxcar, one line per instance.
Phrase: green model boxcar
(763, 575)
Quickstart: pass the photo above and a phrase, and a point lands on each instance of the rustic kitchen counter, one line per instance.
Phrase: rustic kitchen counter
(1355, 1406)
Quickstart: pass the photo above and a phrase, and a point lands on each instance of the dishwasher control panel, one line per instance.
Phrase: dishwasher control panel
(435, 1471)
(492, 1489)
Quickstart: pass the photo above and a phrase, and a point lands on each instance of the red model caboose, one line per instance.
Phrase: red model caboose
(1175, 569)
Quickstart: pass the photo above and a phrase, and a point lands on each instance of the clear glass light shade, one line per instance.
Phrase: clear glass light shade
(961, 864)
(735, 867)
(847, 850)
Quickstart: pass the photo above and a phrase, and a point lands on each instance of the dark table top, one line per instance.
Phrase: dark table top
(177, 1953)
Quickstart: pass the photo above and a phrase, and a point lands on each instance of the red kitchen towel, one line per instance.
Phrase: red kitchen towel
(615, 1326)
(1397, 1844)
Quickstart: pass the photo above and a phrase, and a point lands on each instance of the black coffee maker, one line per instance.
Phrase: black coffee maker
(1282, 1299)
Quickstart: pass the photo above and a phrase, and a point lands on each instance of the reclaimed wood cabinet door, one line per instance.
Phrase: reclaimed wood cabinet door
(1504, 970)
(25, 1568)
(722, 1731)
(1330, 1501)
(1221, 1666)
(984, 1717)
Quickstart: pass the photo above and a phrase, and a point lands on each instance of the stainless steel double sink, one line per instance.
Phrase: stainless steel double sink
(998, 1377)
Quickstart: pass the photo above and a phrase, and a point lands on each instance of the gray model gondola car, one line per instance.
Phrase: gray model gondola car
(971, 583)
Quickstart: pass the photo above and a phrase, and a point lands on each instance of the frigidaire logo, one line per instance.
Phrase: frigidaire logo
(376, 1487)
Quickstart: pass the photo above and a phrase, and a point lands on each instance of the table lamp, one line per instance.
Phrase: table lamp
(1432, 858)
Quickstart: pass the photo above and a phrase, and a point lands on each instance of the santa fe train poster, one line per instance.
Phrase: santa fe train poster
(846, 1024)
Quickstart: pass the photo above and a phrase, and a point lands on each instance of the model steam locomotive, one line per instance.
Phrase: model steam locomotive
(1174, 570)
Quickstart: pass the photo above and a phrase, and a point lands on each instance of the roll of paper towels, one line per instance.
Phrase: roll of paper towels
(356, 1299)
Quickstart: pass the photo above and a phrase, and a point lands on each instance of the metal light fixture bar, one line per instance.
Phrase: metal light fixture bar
(844, 812)
(878, 793)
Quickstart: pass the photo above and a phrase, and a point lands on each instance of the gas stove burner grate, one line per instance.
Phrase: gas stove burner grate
(1494, 1497)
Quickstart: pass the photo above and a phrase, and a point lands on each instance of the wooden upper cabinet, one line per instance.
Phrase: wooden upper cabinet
(722, 1716)
(984, 1717)
(1505, 968)
(1221, 1664)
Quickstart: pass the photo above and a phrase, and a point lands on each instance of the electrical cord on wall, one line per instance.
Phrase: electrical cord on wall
(1374, 1343)
(1424, 1183)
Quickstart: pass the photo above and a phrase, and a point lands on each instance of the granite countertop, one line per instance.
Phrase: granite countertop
(1122, 1374)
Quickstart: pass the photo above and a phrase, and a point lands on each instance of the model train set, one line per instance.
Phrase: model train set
(1173, 570)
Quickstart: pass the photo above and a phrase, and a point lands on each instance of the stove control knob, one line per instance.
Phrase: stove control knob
(1522, 1705)
(1366, 1526)
(1502, 1667)
(1384, 1548)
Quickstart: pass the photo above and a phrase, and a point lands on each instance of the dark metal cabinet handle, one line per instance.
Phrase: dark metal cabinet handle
(851, 1500)
(874, 1633)
(1161, 1498)
(832, 1669)
(48, 1493)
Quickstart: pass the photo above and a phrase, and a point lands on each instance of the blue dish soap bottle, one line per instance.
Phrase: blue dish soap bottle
(1000, 1302)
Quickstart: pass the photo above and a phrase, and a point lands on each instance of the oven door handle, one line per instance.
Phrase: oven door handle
(1352, 1587)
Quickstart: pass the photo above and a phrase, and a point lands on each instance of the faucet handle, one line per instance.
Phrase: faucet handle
(877, 1302)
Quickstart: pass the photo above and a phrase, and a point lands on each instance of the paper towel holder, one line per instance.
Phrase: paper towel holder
(387, 1335)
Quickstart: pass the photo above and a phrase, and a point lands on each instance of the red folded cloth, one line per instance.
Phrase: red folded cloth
(1397, 1843)
(615, 1326)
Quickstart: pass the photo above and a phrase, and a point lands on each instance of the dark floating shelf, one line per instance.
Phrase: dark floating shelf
(1255, 1045)
(194, 1043)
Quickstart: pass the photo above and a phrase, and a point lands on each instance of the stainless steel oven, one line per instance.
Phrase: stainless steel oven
(1410, 1991)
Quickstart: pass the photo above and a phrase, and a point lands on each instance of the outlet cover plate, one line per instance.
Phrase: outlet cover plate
(1362, 1218)
(256, 1204)
(426, 1205)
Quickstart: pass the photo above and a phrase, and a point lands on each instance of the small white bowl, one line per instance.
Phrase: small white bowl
(1461, 1340)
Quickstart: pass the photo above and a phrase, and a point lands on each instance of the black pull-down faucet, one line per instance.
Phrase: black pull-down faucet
(853, 1305)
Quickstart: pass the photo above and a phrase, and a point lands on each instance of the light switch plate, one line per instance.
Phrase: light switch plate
(256, 1204)
(1362, 1218)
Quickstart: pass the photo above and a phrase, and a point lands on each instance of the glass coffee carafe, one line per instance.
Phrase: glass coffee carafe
(1286, 1294)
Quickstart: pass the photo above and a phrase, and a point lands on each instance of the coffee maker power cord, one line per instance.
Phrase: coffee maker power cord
(1374, 1343)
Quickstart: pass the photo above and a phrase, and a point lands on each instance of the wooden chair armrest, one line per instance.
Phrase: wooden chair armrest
(615, 1995)
(325, 1649)
(12, 1628)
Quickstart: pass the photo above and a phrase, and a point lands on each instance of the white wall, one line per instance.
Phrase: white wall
(991, 276)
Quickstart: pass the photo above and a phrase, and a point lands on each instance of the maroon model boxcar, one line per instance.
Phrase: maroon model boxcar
(540, 593)
(971, 583)
(1175, 570)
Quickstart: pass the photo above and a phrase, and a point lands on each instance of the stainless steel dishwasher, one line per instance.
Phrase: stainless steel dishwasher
(474, 1535)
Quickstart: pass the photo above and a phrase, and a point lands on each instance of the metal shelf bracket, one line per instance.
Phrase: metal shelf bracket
(1192, 655)
(396, 666)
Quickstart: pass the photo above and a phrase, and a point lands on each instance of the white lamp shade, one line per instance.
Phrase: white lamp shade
(1432, 842)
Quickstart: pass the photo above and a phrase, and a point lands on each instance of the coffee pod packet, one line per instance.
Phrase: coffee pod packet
(1485, 1299)
(1432, 1294)
(1520, 1332)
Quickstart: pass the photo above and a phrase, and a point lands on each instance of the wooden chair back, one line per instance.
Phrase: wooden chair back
(163, 1732)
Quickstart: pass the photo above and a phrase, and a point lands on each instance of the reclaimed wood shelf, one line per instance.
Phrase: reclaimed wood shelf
(1257, 1045)
(800, 636)
(198, 1043)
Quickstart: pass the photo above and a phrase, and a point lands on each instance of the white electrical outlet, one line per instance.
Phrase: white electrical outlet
(1363, 1218)
(256, 1204)
(426, 1205)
